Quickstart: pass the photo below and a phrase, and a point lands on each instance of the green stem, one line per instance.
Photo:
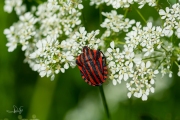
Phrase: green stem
(120, 42)
(104, 101)
(38, 1)
(176, 63)
(164, 49)
(125, 14)
(160, 63)
(140, 15)
(157, 2)
(151, 57)
(168, 2)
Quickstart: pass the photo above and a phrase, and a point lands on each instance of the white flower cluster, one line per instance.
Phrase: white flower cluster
(80, 39)
(147, 37)
(142, 81)
(40, 33)
(166, 59)
(135, 61)
(115, 23)
(123, 3)
(171, 18)
(17, 5)
(52, 57)
(21, 32)
(128, 66)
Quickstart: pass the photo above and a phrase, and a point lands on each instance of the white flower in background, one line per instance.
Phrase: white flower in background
(123, 3)
(114, 58)
(134, 63)
(96, 2)
(12, 38)
(151, 3)
(143, 78)
(52, 4)
(21, 32)
(164, 14)
(17, 5)
(115, 23)
(171, 17)
(147, 37)
(39, 33)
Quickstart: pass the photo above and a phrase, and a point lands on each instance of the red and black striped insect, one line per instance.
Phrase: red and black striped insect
(92, 65)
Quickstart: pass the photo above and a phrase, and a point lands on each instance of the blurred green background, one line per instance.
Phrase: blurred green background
(68, 97)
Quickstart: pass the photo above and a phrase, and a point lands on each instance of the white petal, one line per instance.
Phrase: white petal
(146, 54)
(152, 81)
(112, 44)
(142, 64)
(52, 77)
(159, 46)
(112, 63)
(144, 97)
(33, 55)
(126, 76)
(62, 70)
(170, 74)
(119, 81)
(56, 71)
(136, 94)
(117, 50)
(80, 6)
(69, 58)
(152, 89)
(120, 77)
(49, 72)
(129, 94)
(148, 64)
(161, 12)
(66, 65)
(109, 50)
(82, 29)
(114, 82)
(139, 94)
(156, 72)
(137, 60)
(127, 85)
(149, 24)
(36, 67)
(130, 64)
(42, 73)
(167, 9)
(179, 73)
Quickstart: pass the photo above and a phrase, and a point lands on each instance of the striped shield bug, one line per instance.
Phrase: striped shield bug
(92, 66)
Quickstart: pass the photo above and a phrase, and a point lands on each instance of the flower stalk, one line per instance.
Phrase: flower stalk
(104, 102)
(139, 13)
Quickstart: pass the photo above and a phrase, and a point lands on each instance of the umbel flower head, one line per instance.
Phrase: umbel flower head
(40, 33)
(52, 36)
(123, 3)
